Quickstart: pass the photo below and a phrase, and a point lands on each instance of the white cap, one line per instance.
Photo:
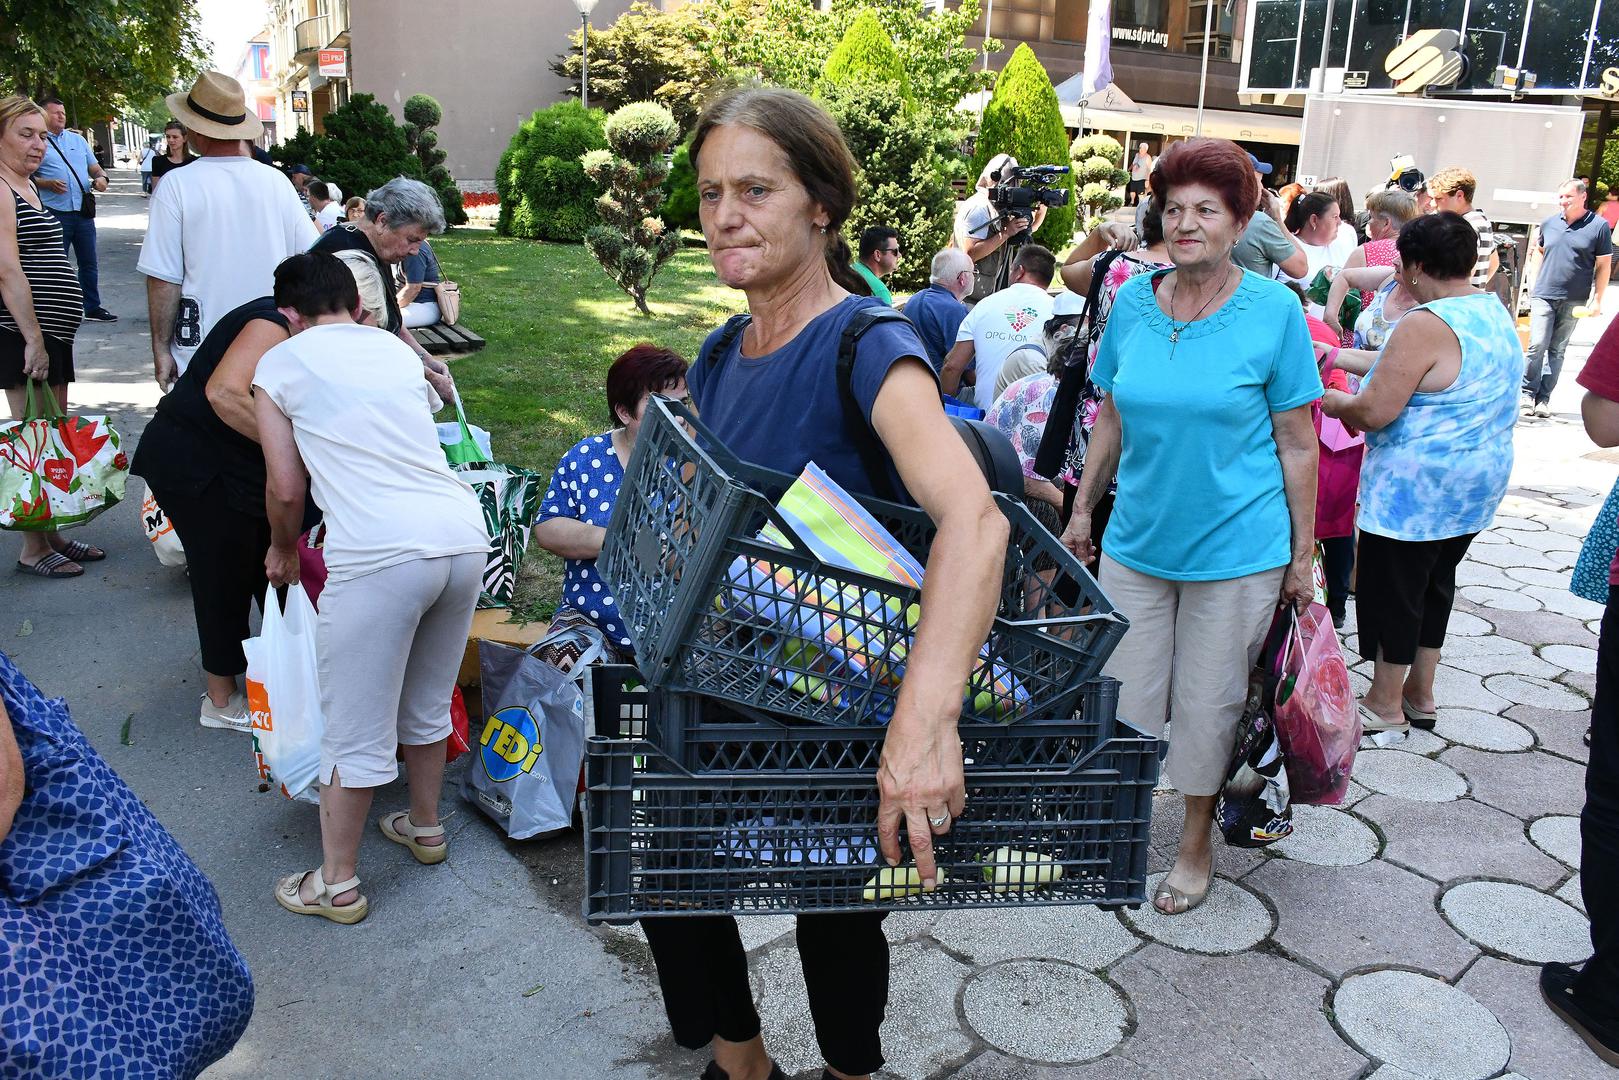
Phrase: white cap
(1067, 302)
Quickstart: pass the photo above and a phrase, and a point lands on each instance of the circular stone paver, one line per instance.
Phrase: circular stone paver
(1408, 776)
(1413, 740)
(1483, 731)
(1535, 575)
(1571, 658)
(1559, 837)
(1517, 921)
(1327, 836)
(1229, 920)
(1466, 624)
(1421, 1025)
(1499, 599)
(1045, 1010)
(1542, 694)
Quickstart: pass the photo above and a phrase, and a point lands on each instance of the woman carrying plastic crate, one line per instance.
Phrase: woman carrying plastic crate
(775, 185)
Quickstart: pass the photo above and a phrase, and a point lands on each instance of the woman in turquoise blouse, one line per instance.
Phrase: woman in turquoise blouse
(1438, 406)
(1209, 375)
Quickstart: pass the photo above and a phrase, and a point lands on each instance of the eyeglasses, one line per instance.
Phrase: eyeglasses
(889, 251)
(685, 401)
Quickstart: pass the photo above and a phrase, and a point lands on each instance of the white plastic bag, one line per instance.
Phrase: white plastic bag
(283, 695)
(160, 531)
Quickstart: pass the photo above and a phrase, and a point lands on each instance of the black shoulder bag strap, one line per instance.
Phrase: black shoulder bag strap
(86, 200)
(873, 458)
(1076, 375)
(858, 430)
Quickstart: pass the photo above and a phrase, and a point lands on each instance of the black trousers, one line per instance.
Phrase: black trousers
(1338, 562)
(1403, 594)
(225, 552)
(1598, 984)
(703, 972)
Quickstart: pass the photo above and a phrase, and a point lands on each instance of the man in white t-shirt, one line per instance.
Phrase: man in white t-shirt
(328, 209)
(217, 228)
(1003, 323)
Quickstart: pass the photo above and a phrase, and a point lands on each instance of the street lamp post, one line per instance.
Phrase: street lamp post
(585, 7)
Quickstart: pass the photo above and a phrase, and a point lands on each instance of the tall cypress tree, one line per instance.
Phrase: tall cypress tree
(1023, 119)
(866, 55)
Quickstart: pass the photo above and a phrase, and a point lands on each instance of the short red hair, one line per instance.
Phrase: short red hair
(642, 369)
(1219, 164)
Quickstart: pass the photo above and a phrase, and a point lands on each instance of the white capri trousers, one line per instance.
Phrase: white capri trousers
(1187, 655)
(419, 314)
(390, 644)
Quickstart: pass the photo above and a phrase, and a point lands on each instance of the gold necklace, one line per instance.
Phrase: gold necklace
(1174, 289)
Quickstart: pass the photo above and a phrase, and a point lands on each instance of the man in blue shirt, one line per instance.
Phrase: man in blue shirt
(66, 176)
(1575, 246)
(937, 310)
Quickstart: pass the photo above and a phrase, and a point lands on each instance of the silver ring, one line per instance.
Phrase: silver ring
(939, 821)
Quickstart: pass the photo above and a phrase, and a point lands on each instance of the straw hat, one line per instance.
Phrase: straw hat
(216, 107)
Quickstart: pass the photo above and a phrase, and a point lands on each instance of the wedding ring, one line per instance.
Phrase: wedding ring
(940, 821)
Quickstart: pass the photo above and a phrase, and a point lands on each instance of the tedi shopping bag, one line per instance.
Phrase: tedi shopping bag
(283, 696)
(530, 745)
(57, 471)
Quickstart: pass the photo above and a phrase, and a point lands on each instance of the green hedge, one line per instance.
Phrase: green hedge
(544, 194)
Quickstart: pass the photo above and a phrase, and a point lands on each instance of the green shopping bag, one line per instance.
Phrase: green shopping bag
(510, 497)
(57, 471)
(466, 450)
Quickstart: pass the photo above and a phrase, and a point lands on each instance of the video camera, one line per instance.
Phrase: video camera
(1017, 192)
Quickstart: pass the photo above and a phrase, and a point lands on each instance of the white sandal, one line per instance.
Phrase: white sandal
(398, 828)
(286, 894)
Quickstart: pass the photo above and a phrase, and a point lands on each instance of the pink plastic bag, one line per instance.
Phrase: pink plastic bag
(1316, 717)
(312, 563)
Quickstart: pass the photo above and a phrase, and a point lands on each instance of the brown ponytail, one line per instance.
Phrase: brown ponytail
(839, 264)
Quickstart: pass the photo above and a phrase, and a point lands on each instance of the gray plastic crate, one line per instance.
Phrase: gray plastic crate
(689, 513)
(707, 809)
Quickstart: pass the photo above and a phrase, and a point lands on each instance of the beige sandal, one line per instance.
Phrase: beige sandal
(286, 894)
(399, 829)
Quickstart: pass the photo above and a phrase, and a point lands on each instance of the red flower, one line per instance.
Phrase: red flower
(120, 461)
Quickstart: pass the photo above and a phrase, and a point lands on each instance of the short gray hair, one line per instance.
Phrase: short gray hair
(948, 263)
(406, 202)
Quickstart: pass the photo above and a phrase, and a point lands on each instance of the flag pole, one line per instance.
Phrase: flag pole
(1203, 75)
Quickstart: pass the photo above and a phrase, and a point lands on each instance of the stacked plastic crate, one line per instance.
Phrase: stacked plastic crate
(735, 771)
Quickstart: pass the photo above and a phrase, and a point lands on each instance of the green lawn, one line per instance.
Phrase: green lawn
(554, 322)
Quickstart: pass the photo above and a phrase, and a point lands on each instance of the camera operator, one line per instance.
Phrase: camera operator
(985, 234)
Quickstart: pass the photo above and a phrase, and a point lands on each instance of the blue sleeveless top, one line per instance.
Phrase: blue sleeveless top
(1441, 468)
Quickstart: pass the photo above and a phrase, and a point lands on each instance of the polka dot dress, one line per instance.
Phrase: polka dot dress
(584, 488)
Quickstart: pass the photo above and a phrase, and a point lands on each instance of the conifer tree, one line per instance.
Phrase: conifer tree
(632, 243)
(1023, 119)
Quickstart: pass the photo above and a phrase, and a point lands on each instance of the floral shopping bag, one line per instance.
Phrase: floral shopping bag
(57, 471)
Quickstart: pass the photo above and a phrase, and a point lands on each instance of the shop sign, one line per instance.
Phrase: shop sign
(1610, 82)
(1141, 35)
(1427, 58)
(300, 101)
(333, 63)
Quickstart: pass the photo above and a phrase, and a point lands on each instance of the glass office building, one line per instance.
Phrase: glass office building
(1568, 44)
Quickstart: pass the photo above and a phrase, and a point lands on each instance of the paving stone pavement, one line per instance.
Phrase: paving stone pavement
(1397, 937)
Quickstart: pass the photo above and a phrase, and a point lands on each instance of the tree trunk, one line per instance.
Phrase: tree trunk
(639, 294)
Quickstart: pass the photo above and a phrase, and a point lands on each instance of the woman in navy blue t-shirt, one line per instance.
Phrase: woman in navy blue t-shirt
(775, 184)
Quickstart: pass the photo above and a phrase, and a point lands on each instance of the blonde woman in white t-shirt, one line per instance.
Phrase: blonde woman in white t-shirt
(405, 549)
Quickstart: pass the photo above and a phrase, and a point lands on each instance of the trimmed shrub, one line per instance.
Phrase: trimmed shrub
(422, 115)
(680, 192)
(867, 55)
(544, 193)
(1023, 119)
(905, 166)
(632, 243)
(362, 148)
